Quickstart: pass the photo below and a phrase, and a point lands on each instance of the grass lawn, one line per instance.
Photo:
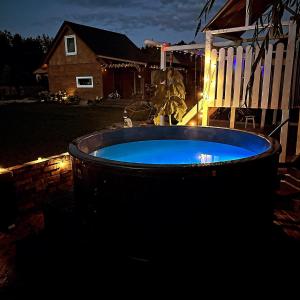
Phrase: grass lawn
(29, 131)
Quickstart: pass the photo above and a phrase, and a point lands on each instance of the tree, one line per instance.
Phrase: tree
(20, 57)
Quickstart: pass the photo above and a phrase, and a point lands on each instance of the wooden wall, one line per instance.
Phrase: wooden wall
(63, 69)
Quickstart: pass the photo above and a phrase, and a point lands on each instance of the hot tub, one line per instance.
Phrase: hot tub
(187, 194)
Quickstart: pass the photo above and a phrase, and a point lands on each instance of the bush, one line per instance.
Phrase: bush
(59, 97)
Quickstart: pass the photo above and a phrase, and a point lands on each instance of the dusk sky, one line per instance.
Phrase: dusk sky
(161, 20)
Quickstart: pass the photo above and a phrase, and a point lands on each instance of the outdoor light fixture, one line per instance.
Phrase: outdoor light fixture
(62, 164)
(2, 170)
(40, 159)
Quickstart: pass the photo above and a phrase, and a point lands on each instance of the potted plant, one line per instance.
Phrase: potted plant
(169, 95)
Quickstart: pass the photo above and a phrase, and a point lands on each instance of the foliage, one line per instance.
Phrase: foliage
(20, 57)
(59, 97)
(169, 96)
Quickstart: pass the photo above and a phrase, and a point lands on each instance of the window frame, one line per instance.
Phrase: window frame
(66, 44)
(84, 77)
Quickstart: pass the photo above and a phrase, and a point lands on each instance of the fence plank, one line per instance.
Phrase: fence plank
(256, 82)
(277, 76)
(289, 62)
(247, 73)
(238, 77)
(296, 75)
(220, 86)
(228, 84)
(213, 75)
(266, 77)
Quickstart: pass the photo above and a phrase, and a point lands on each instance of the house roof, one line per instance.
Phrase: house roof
(233, 13)
(102, 42)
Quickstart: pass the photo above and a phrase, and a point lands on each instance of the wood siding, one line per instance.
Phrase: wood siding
(63, 70)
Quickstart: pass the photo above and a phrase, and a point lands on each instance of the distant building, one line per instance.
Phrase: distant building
(92, 62)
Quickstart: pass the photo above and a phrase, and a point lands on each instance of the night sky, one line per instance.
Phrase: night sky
(161, 20)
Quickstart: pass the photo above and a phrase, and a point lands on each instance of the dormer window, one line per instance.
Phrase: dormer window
(70, 45)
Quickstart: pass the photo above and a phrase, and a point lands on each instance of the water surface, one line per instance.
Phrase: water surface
(172, 152)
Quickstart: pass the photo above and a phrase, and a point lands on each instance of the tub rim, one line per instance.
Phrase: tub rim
(275, 148)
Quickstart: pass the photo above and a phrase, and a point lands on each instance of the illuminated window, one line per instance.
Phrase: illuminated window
(84, 82)
(70, 45)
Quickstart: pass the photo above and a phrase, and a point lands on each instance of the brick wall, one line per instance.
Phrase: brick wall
(36, 180)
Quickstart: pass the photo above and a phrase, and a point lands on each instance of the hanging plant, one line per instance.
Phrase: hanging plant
(169, 96)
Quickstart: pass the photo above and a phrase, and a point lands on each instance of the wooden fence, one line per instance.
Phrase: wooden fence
(231, 71)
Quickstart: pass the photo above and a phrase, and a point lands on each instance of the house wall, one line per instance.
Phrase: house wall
(63, 69)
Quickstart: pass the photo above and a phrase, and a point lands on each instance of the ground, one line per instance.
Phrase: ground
(52, 252)
(29, 131)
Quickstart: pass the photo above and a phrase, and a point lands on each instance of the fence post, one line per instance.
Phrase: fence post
(232, 117)
(263, 118)
(284, 134)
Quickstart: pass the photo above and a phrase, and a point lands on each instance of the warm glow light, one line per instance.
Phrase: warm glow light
(2, 170)
(62, 164)
(39, 159)
(200, 94)
(192, 123)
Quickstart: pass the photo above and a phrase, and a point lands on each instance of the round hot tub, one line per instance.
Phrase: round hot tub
(176, 187)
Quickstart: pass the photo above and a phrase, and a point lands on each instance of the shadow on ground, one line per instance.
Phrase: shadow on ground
(70, 256)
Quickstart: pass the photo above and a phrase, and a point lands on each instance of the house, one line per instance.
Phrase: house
(92, 62)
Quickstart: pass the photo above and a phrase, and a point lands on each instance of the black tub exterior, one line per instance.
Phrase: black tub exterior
(148, 210)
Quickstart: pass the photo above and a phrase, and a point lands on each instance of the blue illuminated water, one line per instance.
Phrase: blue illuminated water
(172, 152)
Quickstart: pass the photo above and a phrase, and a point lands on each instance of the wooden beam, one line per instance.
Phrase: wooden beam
(123, 59)
(163, 59)
(232, 117)
(274, 120)
(243, 28)
(263, 118)
(185, 47)
(205, 117)
(197, 46)
(247, 15)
